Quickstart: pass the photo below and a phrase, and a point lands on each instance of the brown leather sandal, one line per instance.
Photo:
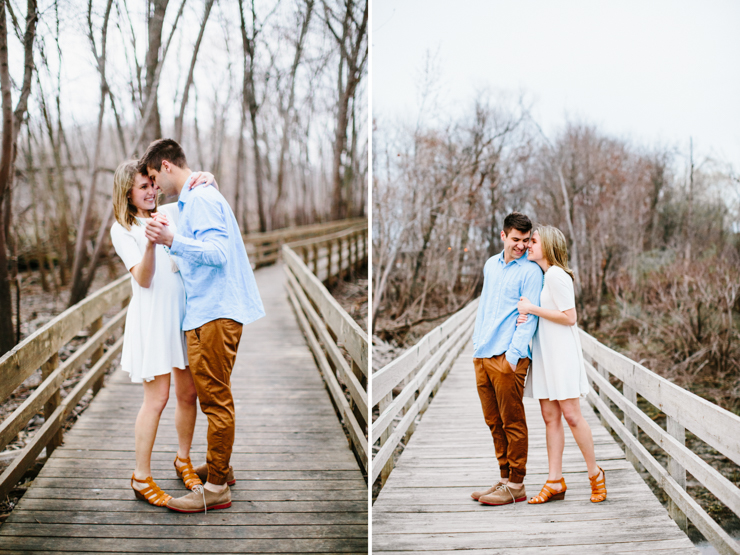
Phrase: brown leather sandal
(152, 494)
(598, 487)
(549, 494)
(187, 473)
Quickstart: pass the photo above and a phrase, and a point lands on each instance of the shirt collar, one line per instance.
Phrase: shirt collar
(521, 260)
(185, 192)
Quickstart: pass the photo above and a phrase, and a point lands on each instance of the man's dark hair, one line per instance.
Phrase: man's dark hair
(159, 150)
(517, 221)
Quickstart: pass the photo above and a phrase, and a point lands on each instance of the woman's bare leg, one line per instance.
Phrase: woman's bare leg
(555, 440)
(186, 411)
(156, 394)
(581, 432)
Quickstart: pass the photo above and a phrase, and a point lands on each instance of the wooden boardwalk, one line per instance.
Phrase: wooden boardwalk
(425, 506)
(299, 487)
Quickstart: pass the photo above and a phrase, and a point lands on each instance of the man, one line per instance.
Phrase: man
(502, 356)
(222, 296)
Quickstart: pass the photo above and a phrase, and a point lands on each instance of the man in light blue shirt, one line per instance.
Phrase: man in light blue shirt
(502, 354)
(221, 296)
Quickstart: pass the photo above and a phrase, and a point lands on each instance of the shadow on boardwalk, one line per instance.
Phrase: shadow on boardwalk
(425, 505)
(298, 488)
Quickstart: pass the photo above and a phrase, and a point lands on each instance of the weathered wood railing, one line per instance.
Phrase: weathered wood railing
(419, 371)
(41, 350)
(265, 248)
(718, 428)
(327, 326)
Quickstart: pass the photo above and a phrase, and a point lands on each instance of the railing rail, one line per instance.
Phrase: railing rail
(41, 350)
(327, 326)
(684, 411)
(419, 372)
(264, 248)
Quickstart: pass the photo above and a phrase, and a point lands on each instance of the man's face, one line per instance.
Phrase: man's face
(515, 243)
(162, 179)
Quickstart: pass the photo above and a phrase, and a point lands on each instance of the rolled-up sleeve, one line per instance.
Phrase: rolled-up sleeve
(210, 242)
(519, 346)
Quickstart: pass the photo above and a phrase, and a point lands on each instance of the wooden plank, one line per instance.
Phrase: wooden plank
(32, 352)
(711, 423)
(53, 381)
(299, 487)
(715, 482)
(388, 377)
(408, 393)
(348, 333)
(356, 391)
(714, 533)
(51, 426)
(352, 426)
(386, 451)
(425, 504)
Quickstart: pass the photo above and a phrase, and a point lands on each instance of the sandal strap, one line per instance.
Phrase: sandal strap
(187, 472)
(546, 493)
(153, 493)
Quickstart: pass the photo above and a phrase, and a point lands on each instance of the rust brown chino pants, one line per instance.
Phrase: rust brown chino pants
(500, 391)
(211, 352)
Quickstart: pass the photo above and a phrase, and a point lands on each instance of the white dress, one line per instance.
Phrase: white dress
(153, 342)
(558, 371)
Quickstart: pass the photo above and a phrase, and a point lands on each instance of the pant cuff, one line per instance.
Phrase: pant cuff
(517, 476)
(216, 479)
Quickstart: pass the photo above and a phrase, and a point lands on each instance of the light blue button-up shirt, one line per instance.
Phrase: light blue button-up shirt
(496, 331)
(219, 282)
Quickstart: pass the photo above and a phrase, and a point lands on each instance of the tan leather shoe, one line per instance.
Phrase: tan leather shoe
(478, 494)
(201, 500)
(503, 495)
(202, 472)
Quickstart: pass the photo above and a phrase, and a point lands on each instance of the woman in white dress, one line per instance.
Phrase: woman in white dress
(558, 376)
(153, 345)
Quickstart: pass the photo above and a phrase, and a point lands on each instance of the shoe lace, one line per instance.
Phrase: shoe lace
(201, 490)
(507, 489)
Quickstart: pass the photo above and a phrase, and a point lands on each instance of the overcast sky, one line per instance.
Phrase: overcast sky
(656, 71)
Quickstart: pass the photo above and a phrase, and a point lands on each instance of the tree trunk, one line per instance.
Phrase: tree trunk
(152, 126)
(11, 126)
(249, 94)
(354, 56)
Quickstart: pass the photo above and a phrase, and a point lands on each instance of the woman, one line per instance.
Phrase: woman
(153, 344)
(558, 375)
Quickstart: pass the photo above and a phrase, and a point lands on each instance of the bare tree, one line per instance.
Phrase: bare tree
(351, 37)
(78, 283)
(11, 127)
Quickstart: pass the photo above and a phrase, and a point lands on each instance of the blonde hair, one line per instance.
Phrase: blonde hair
(554, 247)
(123, 182)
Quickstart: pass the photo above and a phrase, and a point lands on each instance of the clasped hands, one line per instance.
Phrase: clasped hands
(158, 230)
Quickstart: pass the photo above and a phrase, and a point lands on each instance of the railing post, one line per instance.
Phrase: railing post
(94, 328)
(315, 260)
(602, 394)
(631, 395)
(340, 270)
(677, 471)
(362, 418)
(329, 245)
(51, 405)
(385, 472)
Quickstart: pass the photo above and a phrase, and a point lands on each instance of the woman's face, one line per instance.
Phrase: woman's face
(143, 194)
(534, 252)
